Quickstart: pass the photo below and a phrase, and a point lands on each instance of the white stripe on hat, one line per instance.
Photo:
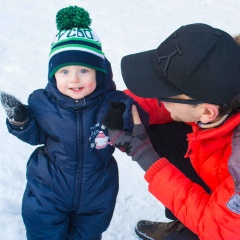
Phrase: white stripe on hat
(76, 49)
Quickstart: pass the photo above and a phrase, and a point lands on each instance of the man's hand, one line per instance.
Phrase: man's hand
(136, 118)
(135, 143)
(16, 112)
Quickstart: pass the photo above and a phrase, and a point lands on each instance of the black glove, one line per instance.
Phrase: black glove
(114, 117)
(136, 144)
(16, 112)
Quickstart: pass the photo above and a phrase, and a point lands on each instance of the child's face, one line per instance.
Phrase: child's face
(76, 81)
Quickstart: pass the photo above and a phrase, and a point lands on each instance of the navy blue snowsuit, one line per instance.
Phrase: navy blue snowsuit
(72, 177)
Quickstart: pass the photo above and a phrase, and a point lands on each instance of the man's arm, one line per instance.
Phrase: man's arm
(205, 214)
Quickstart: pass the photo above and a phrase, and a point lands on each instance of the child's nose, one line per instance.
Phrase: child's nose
(75, 78)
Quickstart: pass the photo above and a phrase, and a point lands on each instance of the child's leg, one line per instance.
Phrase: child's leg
(42, 219)
(89, 225)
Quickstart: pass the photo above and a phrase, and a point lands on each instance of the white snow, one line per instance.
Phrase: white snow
(124, 27)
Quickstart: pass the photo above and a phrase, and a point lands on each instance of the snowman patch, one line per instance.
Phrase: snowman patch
(98, 138)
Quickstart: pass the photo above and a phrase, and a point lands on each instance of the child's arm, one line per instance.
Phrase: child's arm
(20, 121)
(119, 114)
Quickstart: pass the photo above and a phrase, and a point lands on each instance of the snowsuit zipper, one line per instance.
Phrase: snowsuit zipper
(79, 164)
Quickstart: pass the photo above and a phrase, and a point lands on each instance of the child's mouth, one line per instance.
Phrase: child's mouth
(77, 89)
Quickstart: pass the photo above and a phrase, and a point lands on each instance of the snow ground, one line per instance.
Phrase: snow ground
(124, 27)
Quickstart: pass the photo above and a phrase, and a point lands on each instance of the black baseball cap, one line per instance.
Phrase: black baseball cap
(197, 60)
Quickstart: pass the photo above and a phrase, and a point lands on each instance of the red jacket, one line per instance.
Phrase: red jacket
(211, 216)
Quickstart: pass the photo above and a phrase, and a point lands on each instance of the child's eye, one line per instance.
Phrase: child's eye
(83, 70)
(65, 71)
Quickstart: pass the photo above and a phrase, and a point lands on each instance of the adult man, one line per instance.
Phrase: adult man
(195, 73)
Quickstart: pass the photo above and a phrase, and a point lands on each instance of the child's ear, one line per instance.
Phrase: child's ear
(210, 113)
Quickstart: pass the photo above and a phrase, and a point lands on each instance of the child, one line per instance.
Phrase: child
(72, 178)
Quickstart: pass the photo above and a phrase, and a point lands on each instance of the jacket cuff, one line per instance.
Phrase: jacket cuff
(127, 115)
(155, 168)
(18, 126)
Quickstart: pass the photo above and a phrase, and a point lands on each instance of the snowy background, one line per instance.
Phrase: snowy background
(124, 26)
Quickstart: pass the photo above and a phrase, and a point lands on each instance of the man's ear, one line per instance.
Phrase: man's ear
(210, 113)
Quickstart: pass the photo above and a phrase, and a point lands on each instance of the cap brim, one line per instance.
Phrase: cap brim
(141, 78)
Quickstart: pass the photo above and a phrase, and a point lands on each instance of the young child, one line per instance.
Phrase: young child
(72, 178)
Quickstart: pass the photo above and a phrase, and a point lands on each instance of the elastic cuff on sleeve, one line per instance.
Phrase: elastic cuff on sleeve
(19, 126)
(155, 168)
(146, 159)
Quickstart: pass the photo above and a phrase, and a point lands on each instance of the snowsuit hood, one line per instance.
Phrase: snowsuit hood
(105, 84)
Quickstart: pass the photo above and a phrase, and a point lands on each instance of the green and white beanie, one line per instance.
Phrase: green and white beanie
(76, 43)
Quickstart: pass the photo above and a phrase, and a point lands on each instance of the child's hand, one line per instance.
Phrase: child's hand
(135, 143)
(114, 118)
(16, 112)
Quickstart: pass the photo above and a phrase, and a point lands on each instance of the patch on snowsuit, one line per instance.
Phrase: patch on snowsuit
(99, 138)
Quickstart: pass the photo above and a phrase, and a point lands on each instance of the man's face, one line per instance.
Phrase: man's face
(184, 112)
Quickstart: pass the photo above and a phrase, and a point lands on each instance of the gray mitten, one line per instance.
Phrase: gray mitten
(136, 144)
(16, 112)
